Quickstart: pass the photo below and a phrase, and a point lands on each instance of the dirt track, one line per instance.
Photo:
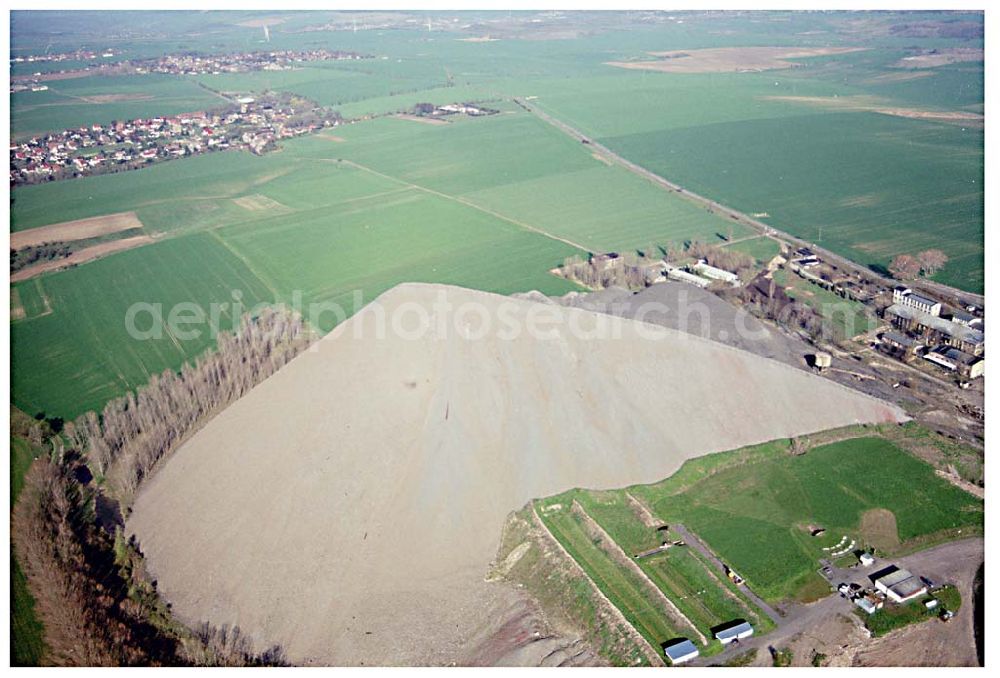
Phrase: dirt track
(80, 229)
(348, 507)
(81, 257)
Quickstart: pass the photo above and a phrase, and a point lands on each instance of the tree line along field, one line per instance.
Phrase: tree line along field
(754, 508)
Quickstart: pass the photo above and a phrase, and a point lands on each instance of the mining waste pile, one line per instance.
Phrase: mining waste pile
(349, 506)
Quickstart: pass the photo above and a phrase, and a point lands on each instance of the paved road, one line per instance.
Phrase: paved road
(696, 543)
(740, 217)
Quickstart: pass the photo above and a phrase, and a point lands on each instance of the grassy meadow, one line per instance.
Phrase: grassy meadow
(754, 507)
(621, 586)
(699, 591)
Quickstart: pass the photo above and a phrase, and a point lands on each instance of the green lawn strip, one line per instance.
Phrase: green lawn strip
(27, 643)
(677, 573)
(617, 584)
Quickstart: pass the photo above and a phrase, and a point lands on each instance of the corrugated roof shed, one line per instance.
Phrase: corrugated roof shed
(681, 651)
(740, 630)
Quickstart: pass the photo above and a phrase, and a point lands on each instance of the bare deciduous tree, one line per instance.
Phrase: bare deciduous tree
(932, 261)
(904, 267)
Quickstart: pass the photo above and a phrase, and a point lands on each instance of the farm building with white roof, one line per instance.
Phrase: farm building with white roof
(680, 651)
(736, 631)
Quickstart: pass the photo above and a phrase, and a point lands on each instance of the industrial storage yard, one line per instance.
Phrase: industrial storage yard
(349, 506)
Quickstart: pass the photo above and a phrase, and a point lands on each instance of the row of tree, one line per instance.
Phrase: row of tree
(629, 270)
(727, 259)
(32, 255)
(133, 432)
(92, 594)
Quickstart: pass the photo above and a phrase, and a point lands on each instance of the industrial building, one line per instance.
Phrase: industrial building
(935, 329)
(907, 297)
(964, 364)
(900, 585)
(702, 268)
(736, 631)
(900, 345)
(680, 651)
(684, 276)
(967, 319)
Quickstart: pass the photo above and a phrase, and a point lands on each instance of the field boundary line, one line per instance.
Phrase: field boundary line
(648, 517)
(620, 555)
(246, 262)
(469, 203)
(607, 604)
(745, 604)
(696, 542)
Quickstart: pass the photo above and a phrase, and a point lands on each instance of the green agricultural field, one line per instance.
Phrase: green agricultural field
(75, 355)
(371, 244)
(753, 506)
(865, 185)
(617, 583)
(101, 99)
(202, 178)
(351, 230)
(535, 176)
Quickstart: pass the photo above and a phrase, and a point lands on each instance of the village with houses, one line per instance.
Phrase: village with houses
(252, 123)
(184, 63)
